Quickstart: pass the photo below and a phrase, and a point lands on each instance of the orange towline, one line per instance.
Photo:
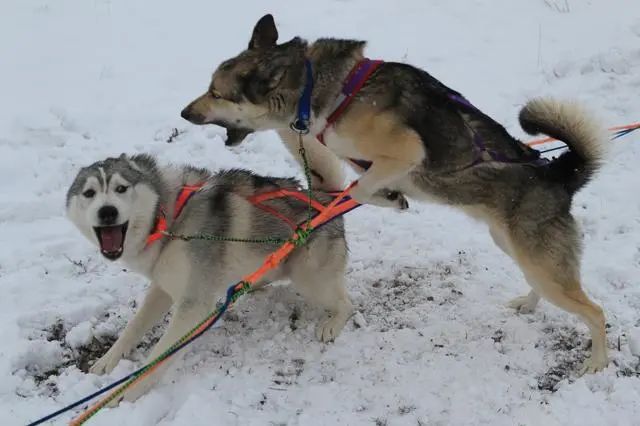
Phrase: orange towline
(612, 129)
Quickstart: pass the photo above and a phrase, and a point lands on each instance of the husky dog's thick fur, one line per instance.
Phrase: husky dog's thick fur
(428, 142)
(116, 203)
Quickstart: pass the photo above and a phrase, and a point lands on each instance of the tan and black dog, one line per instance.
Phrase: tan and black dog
(428, 142)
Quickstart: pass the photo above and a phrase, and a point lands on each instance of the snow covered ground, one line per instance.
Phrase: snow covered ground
(434, 344)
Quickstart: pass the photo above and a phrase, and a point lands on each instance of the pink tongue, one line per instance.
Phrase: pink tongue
(111, 238)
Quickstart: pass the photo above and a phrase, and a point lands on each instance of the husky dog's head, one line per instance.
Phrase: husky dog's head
(115, 202)
(256, 90)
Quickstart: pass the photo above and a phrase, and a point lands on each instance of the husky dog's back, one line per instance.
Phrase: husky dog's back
(118, 204)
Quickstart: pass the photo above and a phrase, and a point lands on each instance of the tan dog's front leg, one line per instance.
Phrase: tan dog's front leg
(325, 167)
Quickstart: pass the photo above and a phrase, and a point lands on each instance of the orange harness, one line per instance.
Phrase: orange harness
(160, 229)
(258, 199)
(187, 191)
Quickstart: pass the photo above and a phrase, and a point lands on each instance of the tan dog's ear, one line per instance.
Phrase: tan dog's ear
(265, 34)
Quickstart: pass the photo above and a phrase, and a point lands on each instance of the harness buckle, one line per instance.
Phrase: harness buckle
(300, 126)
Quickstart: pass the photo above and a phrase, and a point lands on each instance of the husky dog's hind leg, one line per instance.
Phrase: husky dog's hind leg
(317, 272)
(549, 255)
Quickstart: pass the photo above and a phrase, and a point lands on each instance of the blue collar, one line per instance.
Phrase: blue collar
(302, 120)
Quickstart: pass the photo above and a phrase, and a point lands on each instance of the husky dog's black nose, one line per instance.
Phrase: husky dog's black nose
(108, 215)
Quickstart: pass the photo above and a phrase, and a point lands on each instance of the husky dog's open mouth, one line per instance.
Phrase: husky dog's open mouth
(111, 239)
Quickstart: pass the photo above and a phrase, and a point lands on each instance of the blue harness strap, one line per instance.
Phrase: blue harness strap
(303, 119)
(357, 77)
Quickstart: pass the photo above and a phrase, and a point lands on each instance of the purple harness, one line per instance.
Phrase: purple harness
(480, 148)
(357, 79)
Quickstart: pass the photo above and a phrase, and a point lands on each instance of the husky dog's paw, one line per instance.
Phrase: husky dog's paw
(108, 361)
(328, 330)
(134, 392)
(592, 365)
(114, 402)
(524, 304)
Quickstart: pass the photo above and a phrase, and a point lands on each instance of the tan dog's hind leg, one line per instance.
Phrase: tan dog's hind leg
(524, 304)
(549, 259)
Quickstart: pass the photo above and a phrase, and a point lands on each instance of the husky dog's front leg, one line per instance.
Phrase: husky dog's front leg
(156, 304)
(370, 188)
(194, 306)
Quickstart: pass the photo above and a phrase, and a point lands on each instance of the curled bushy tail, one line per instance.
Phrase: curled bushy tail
(569, 123)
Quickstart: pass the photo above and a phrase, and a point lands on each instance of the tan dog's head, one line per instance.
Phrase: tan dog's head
(256, 90)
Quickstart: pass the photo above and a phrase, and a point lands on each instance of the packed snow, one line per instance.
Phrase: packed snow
(432, 342)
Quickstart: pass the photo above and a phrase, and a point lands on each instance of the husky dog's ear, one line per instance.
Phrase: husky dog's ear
(264, 34)
(123, 156)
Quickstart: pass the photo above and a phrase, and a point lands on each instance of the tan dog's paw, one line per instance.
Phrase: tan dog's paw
(397, 198)
(382, 198)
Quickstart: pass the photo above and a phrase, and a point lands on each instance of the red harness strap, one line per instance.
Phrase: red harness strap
(354, 82)
(184, 196)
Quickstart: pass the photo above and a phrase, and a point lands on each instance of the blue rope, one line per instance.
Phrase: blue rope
(623, 132)
(616, 135)
(232, 295)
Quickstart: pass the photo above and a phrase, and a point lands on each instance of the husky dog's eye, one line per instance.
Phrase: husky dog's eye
(89, 193)
(121, 189)
(215, 94)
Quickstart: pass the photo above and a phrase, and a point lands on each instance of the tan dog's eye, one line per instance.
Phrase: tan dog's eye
(215, 94)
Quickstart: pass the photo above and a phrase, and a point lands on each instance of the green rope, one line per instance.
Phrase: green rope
(155, 361)
(246, 288)
(208, 237)
(299, 238)
(301, 235)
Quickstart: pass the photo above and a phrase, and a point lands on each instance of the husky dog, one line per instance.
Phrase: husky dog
(428, 142)
(117, 203)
